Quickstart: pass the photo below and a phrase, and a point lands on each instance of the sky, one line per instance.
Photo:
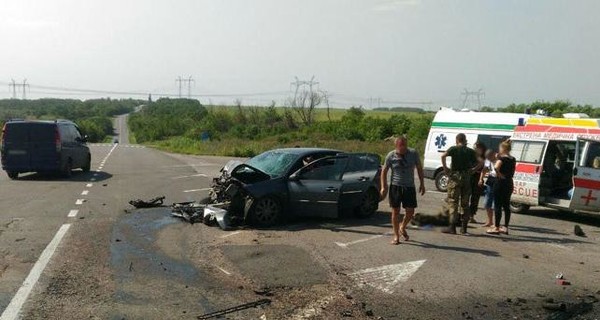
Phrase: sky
(362, 52)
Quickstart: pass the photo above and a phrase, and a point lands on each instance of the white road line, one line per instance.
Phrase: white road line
(191, 176)
(85, 192)
(14, 307)
(438, 192)
(197, 190)
(79, 201)
(89, 185)
(387, 278)
(224, 271)
(73, 213)
(347, 244)
(230, 234)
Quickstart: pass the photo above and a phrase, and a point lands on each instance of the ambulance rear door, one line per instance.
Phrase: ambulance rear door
(586, 176)
(529, 155)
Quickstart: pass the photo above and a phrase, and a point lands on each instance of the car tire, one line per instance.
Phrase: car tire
(368, 205)
(266, 212)
(441, 181)
(13, 175)
(67, 171)
(519, 207)
(88, 165)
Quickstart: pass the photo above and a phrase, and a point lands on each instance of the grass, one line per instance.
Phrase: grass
(249, 148)
(320, 112)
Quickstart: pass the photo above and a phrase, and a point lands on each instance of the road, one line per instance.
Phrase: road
(75, 249)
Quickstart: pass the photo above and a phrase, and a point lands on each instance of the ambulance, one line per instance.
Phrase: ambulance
(490, 128)
(558, 164)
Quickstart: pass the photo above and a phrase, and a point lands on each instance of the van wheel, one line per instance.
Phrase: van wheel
(519, 207)
(13, 175)
(88, 165)
(441, 181)
(68, 169)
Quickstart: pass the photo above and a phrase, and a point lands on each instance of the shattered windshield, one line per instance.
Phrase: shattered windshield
(273, 163)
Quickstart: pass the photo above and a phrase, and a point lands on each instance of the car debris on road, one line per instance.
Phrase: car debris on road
(152, 203)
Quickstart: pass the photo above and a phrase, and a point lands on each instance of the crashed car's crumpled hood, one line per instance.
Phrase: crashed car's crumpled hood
(229, 166)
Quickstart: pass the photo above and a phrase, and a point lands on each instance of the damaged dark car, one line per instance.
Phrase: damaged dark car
(298, 182)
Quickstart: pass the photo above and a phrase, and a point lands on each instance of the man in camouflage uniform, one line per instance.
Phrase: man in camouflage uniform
(459, 182)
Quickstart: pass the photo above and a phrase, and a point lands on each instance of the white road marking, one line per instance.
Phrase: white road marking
(197, 190)
(85, 192)
(79, 201)
(438, 192)
(231, 234)
(73, 213)
(224, 271)
(14, 307)
(89, 185)
(347, 244)
(387, 278)
(194, 175)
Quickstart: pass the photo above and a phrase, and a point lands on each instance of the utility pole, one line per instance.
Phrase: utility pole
(14, 88)
(301, 83)
(25, 87)
(476, 94)
(13, 85)
(180, 81)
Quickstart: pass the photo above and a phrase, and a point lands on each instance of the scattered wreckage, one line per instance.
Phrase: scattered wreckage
(298, 182)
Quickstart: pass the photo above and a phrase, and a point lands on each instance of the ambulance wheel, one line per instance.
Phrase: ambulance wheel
(441, 181)
(519, 207)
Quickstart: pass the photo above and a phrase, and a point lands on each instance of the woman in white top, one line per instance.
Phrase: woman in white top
(489, 171)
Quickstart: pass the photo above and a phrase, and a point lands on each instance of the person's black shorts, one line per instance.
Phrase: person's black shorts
(405, 196)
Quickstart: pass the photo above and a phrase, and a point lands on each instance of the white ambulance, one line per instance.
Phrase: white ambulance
(558, 164)
(490, 128)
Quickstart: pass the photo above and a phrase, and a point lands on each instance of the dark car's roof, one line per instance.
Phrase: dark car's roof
(303, 151)
(19, 121)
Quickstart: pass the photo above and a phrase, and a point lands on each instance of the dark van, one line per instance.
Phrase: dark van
(43, 146)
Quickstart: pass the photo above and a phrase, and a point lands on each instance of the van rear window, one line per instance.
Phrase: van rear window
(42, 133)
(16, 132)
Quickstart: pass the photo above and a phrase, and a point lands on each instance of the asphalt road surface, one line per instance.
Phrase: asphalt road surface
(75, 249)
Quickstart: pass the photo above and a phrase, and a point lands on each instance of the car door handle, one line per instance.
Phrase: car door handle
(331, 189)
(363, 179)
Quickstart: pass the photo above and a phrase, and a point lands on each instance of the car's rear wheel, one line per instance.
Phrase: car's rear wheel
(13, 175)
(369, 204)
(519, 207)
(68, 169)
(88, 165)
(266, 212)
(441, 181)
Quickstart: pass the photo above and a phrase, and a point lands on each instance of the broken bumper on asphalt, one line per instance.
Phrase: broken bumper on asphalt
(209, 214)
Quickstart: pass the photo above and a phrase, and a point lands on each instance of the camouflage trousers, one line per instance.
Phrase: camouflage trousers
(459, 193)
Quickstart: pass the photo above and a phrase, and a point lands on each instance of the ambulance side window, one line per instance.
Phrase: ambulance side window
(491, 141)
(528, 151)
(592, 156)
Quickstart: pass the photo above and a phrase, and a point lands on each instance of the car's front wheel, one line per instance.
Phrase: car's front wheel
(13, 175)
(369, 204)
(67, 171)
(266, 212)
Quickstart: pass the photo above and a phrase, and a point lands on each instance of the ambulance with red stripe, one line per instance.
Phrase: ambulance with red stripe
(558, 164)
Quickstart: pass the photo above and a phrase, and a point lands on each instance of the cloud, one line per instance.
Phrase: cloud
(394, 5)
(30, 23)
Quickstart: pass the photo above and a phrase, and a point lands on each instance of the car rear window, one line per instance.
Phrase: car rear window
(33, 132)
(41, 132)
(15, 132)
